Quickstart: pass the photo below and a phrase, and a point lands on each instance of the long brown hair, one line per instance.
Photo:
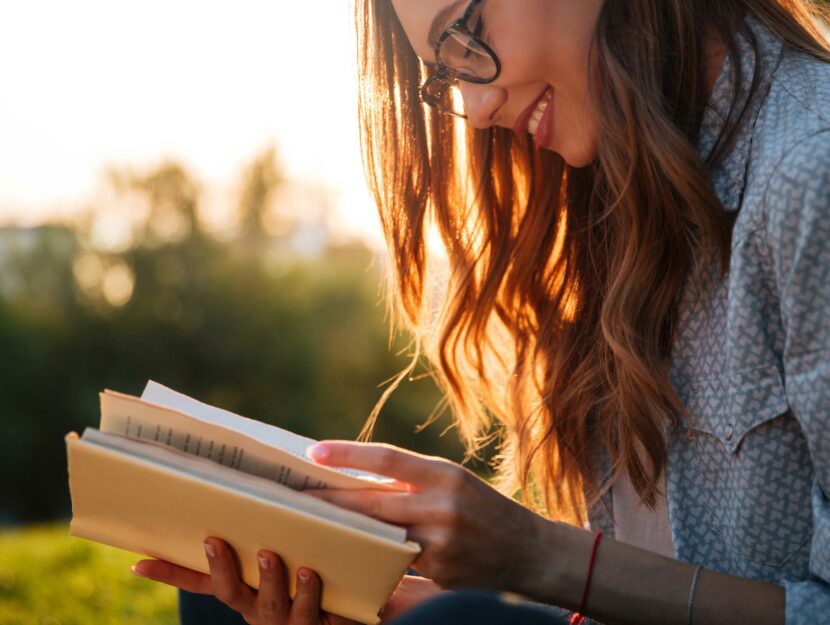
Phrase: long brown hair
(555, 324)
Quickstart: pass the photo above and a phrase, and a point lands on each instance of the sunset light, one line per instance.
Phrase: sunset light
(96, 84)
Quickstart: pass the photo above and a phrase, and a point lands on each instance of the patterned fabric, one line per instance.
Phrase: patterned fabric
(748, 479)
(637, 524)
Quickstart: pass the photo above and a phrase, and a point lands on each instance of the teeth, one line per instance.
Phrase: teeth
(536, 117)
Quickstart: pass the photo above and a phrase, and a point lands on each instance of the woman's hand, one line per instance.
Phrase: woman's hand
(270, 605)
(409, 593)
(471, 535)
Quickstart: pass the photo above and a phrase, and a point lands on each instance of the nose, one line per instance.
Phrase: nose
(481, 102)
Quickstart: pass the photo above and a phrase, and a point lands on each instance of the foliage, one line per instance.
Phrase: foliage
(263, 324)
(50, 578)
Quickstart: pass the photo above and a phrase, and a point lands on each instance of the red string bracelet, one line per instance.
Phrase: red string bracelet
(577, 618)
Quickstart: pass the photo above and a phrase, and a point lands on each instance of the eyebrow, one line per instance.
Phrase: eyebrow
(440, 22)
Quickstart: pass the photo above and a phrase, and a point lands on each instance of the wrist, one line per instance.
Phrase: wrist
(557, 564)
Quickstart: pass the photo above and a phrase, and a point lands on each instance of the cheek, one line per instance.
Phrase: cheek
(550, 43)
(576, 124)
(576, 133)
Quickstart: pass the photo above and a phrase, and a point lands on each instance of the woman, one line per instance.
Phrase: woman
(636, 215)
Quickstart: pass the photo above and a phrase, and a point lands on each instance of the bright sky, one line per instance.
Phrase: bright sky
(92, 83)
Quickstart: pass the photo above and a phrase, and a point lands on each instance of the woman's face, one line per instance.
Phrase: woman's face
(543, 46)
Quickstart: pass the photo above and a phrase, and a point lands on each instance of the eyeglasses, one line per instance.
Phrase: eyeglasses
(460, 55)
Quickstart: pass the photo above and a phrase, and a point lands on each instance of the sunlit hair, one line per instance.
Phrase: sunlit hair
(555, 325)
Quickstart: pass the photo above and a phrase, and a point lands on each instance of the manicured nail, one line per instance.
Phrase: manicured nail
(264, 563)
(136, 571)
(319, 452)
(210, 550)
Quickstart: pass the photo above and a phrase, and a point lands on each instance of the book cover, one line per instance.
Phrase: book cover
(162, 500)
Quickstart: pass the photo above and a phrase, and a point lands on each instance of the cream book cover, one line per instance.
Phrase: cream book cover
(159, 476)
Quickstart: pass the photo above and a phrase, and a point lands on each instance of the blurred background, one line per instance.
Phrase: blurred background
(181, 198)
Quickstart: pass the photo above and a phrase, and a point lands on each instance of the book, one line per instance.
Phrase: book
(164, 471)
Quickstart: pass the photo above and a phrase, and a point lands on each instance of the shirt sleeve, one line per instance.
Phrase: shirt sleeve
(798, 235)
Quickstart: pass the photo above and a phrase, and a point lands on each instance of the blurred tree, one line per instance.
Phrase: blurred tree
(260, 182)
(294, 339)
(173, 196)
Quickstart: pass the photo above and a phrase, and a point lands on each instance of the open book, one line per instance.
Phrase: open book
(164, 471)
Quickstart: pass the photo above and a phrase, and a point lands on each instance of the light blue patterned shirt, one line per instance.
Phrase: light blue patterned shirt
(748, 480)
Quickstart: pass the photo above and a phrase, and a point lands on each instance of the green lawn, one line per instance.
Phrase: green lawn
(48, 577)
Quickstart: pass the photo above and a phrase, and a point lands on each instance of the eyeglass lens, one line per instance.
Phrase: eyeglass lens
(462, 55)
(465, 57)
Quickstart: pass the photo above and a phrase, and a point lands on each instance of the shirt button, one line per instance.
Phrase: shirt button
(730, 431)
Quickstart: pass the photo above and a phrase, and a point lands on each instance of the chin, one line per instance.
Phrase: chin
(578, 163)
(576, 156)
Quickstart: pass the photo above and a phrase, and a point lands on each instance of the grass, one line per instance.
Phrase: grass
(48, 577)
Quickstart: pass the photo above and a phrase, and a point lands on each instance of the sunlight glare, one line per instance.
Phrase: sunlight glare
(101, 83)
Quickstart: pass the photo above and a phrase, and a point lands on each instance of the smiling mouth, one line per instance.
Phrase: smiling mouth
(539, 112)
(525, 116)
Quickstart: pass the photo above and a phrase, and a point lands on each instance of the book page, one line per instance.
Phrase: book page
(249, 484)
(156, 393)
(227, 440)
(269, 434)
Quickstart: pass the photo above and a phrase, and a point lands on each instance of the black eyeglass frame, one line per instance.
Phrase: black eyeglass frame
(450, 75)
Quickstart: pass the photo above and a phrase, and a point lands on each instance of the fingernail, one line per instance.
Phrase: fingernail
(303, 575)
(210, 550)
(136, 571)
(264, 563)
(319, 451)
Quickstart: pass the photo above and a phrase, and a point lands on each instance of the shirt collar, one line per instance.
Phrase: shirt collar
(729, 173)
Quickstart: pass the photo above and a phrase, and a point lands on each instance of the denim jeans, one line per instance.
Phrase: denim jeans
(206, 610)
(469, 607)
(478, 607)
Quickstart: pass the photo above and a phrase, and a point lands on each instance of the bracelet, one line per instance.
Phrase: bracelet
(692, 595)
(578, 618)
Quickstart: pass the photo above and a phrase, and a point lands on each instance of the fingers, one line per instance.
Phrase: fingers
(393, 507)
(306, 608)
(271, 604)
(379, 458)
(273, 598)
(174, 575)
(227, 586)
(409, 593)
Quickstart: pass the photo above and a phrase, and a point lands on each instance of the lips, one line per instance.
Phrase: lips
(524, 117)
(538, 113)
(544, 129)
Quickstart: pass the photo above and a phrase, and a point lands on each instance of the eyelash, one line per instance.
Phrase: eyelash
(479, 27)
(477, 31)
